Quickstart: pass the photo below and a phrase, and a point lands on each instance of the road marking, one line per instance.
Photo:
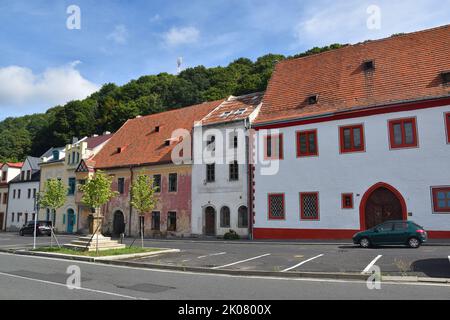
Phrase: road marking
(64, 285)
(102, 265)
(448, 258)
(212, 255)
(302, 263)
(366, 270)
(242, 261)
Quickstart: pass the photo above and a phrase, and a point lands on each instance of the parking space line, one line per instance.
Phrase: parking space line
(366, 270)
(65, 285)
(242, 261)
(212, 255)
(302, 263)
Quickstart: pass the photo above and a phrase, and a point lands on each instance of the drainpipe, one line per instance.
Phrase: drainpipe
(249, 147)
(131, 207)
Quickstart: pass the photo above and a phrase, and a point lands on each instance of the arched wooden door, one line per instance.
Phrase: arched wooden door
(210, 221)
(380, 204)
(118, 223)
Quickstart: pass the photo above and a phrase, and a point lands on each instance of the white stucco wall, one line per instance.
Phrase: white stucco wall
(222, 192)
(24, 204)
(411, 171)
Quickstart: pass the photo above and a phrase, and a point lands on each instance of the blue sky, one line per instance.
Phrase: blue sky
(42, 63)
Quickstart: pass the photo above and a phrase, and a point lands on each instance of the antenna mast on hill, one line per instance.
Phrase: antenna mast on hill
(179, 64)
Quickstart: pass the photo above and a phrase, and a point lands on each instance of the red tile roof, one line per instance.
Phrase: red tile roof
(407, 67)
(94, 142)
(140, 144)
(17, 165)
(247, 103)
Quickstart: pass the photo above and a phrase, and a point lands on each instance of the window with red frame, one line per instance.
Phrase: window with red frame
(273, 146)
(447, 122)
(309, 206)
(441, 200)
(276, 206)
(403, 133)
(352, 138)
(347, 201)
(307, 143)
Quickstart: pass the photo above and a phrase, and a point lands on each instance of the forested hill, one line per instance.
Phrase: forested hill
(109, 108)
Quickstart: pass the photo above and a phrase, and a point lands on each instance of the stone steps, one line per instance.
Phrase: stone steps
(86, 244)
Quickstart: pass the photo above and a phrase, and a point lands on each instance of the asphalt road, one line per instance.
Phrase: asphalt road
(24, 277)
(427, 261)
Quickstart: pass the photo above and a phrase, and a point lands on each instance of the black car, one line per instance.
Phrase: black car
(42, 228)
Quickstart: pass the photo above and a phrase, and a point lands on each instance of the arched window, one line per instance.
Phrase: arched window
(225, 217)
(243, 217)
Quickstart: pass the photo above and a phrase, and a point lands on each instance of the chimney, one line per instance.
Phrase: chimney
(106, 133)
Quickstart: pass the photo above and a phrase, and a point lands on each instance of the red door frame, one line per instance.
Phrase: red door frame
(362, 206)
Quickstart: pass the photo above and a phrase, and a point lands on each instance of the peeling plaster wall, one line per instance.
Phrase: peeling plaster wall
(179, 202)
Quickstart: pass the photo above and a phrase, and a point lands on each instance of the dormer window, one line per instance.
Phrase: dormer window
(157, 129)
(240, 112)
(313, 99)
(120, 149)
(55, 155)
(167, 143)
(446, 77)
(369, 65)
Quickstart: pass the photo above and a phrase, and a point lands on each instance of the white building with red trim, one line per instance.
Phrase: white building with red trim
(350, 138)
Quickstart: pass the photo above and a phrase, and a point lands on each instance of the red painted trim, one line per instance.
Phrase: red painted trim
(394, 108)
(435, 200)
(352, 149)
(307, 133)
(438, 234)
(302, 234)
(270, 217)
(447, 122)
(302, 213)
(321, 234)
(274, 139)
(362, 206)
(344, 206)
(402, 122)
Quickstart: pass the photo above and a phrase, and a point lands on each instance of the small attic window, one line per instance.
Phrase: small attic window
(446, 77)
(369, 65)
(167, 143)
(240, 112)
(157, 129)
(119, 150)
(313, 99)
(225, 114)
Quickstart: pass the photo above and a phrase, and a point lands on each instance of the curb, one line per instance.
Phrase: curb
(119, 261)
(88, 259)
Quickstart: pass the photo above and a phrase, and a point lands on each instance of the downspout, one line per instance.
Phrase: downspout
(249, 158)
(131, 207)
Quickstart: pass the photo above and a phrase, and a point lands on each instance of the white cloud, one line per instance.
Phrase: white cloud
(178, 36)
(119, 35)
(21, 88)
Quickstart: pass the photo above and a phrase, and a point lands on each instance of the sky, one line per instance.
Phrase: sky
(50, 54)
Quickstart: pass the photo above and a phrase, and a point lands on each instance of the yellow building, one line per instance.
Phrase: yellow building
(61, 163)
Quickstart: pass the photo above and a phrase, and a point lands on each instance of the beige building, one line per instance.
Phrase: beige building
(61, 163)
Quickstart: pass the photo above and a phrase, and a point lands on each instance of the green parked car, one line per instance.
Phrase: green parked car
(392, 233)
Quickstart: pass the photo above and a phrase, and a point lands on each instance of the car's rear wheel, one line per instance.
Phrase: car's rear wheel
(364, 243)
(414, 243)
